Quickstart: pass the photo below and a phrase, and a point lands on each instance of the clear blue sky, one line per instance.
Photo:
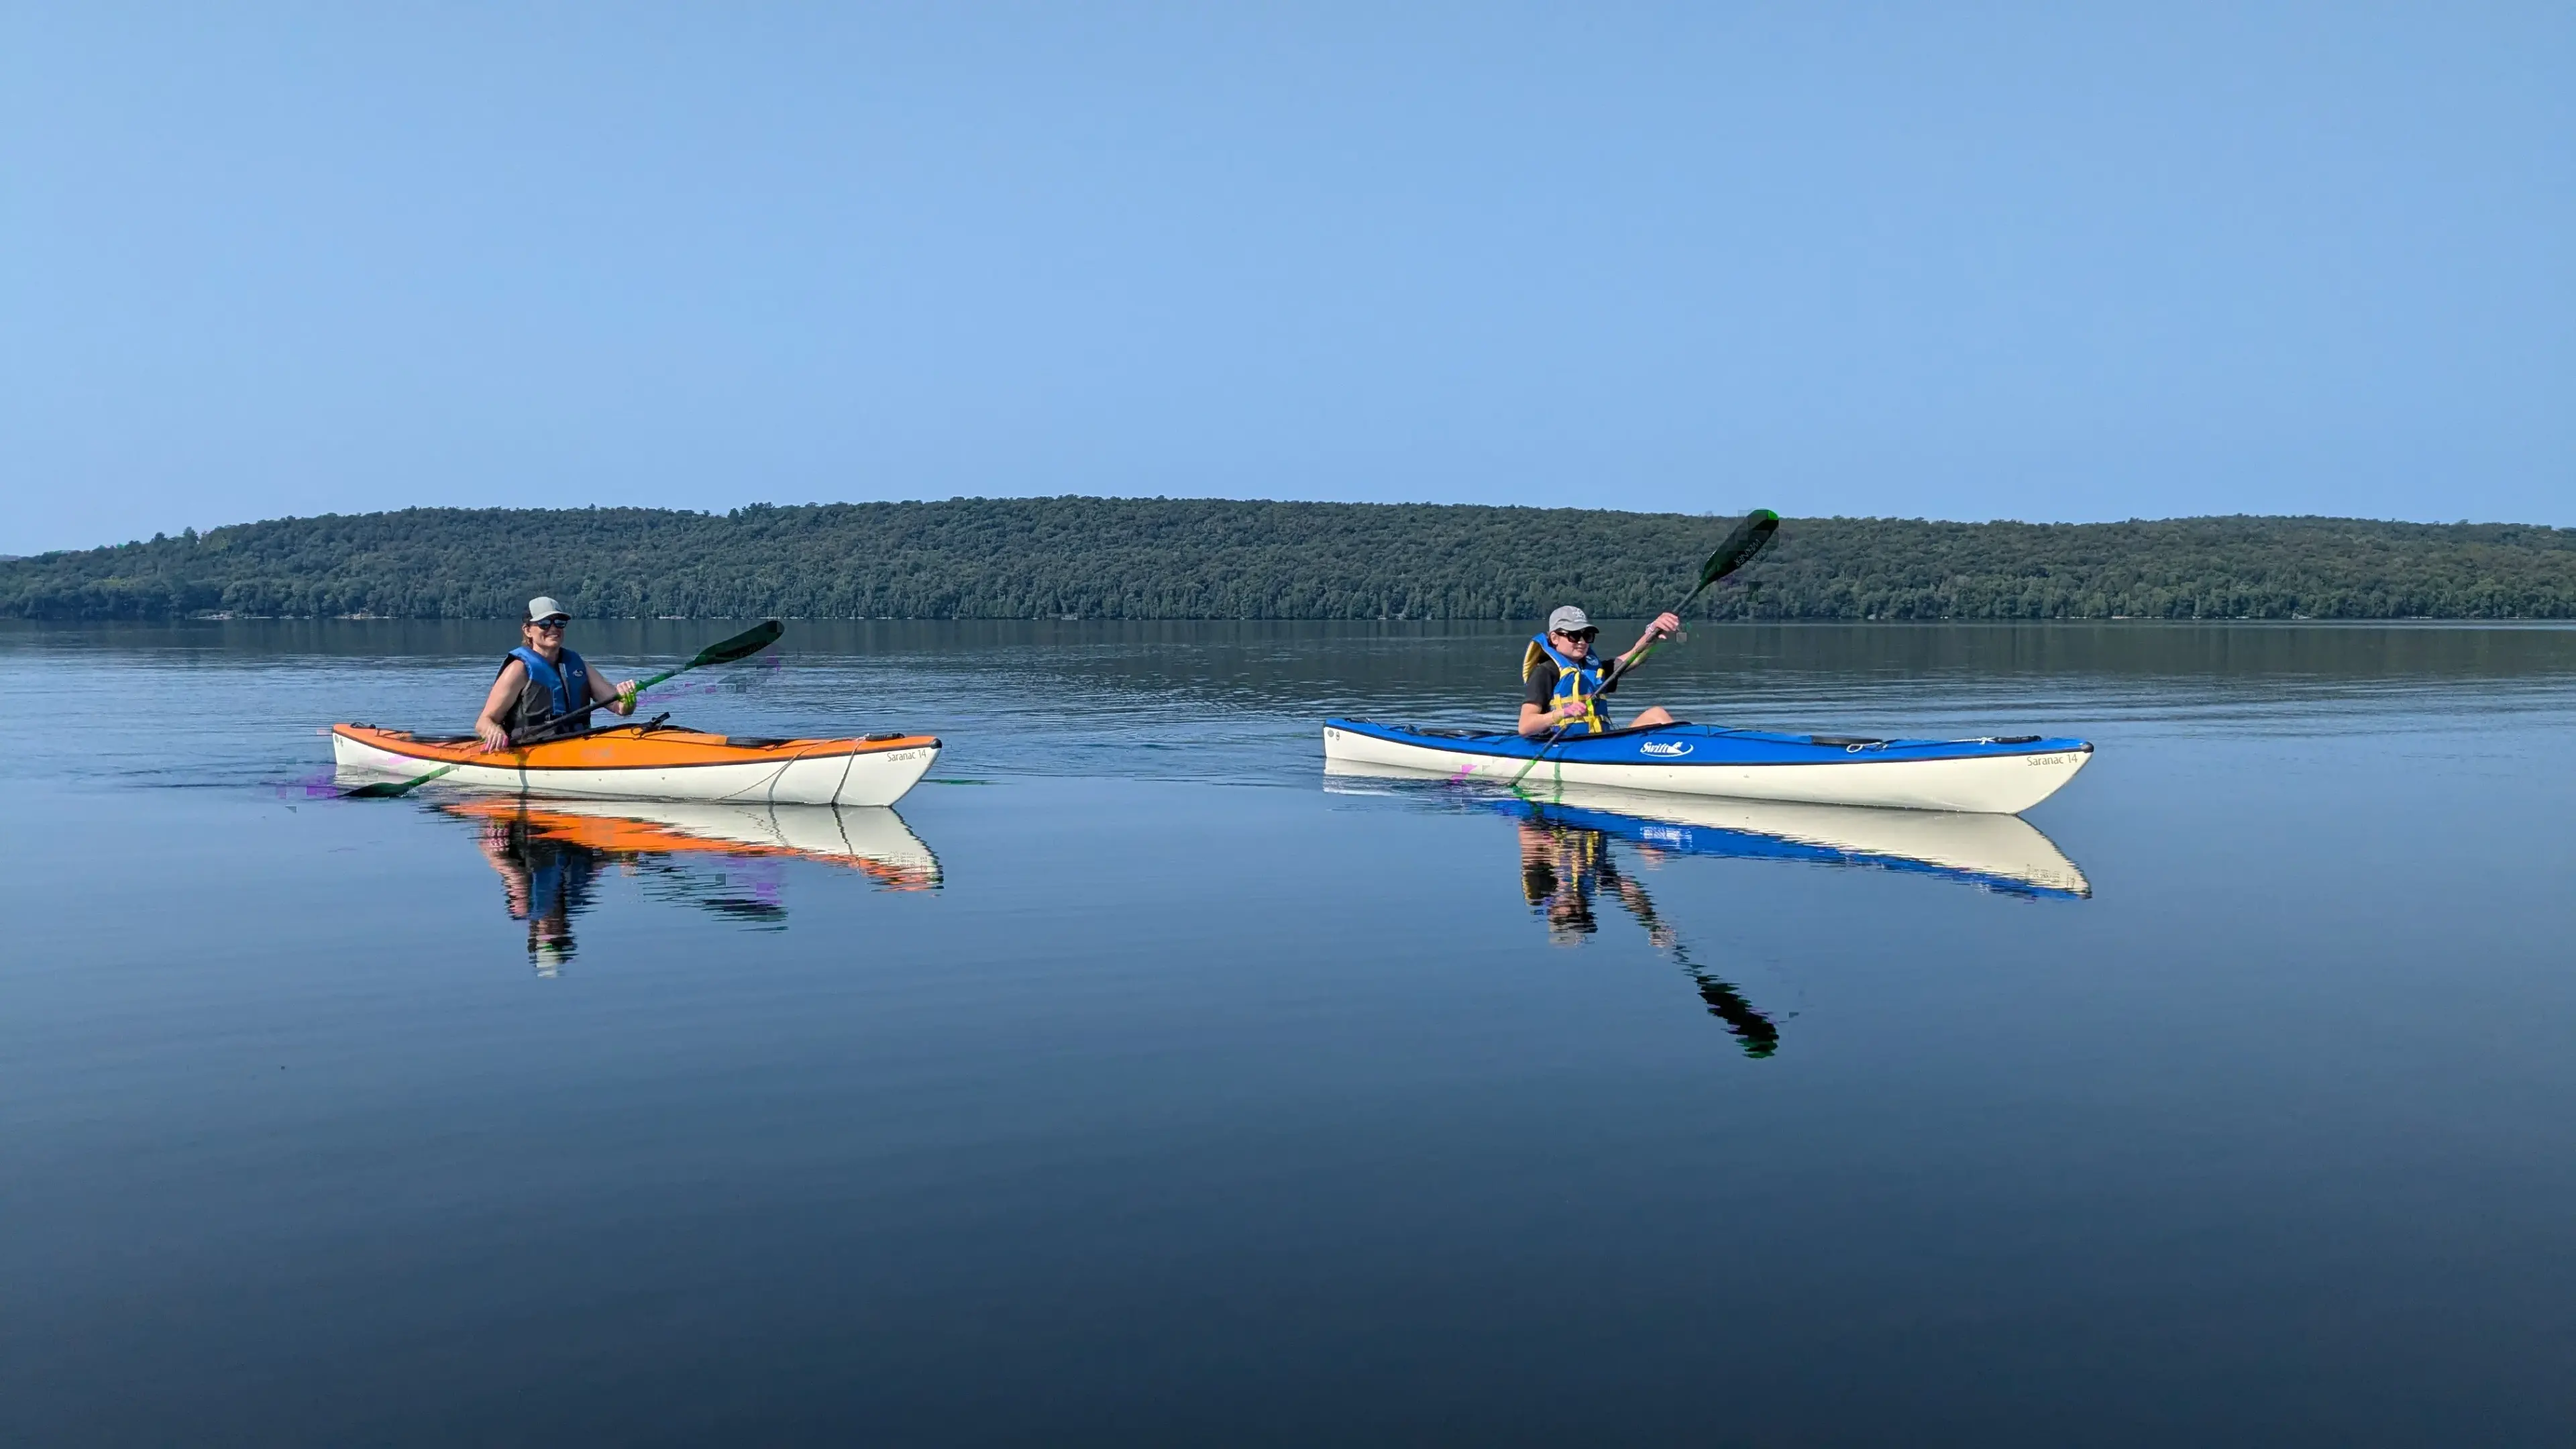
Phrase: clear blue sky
(2048, 261)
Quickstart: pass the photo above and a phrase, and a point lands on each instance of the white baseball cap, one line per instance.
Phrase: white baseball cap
(542, 608)
(1567, 620)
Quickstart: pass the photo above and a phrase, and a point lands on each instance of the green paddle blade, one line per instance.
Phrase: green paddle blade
(1740, 546)
(394, 789)
(740, 646)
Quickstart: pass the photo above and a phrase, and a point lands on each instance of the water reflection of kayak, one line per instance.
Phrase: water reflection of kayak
(872, 839)
(645, 762)
(1998, 852)
(1999, 775)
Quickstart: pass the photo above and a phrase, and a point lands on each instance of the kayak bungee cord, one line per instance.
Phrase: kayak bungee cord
(1738, 550)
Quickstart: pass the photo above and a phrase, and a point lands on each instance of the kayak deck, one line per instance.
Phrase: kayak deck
(652, 762)
(2002, 775)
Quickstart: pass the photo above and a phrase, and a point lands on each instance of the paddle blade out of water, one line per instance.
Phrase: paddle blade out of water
(1748, 539)
(741, 646)
(724, 651)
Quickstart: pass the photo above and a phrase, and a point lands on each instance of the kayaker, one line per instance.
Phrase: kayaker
(1562, 681)
(541, 680)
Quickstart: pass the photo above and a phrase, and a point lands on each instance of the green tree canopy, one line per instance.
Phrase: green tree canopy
(1157, 558)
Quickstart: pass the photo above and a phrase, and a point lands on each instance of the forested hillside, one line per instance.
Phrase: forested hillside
(1153, 558)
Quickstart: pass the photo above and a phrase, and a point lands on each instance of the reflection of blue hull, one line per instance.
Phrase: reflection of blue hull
(1683, 839)
(1996, 852)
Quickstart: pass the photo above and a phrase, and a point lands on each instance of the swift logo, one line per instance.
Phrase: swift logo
(1664, 747)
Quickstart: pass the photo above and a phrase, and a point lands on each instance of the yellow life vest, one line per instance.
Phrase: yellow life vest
(1573, 681)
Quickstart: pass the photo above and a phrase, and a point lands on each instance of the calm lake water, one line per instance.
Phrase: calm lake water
(1129, 1085)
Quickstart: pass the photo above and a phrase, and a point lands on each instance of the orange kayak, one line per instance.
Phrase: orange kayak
(638, 762)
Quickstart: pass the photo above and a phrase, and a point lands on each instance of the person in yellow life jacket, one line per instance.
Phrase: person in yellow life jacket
(540, 681)
(1562, 681)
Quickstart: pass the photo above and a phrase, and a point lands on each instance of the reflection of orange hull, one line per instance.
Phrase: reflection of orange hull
(872, 839)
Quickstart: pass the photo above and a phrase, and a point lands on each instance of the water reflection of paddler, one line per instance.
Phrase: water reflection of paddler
(1563, 867)
(548, 882)
(541, 680)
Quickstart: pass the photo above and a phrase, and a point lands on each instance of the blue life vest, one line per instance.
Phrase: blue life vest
(1574, 680)
(566, 685)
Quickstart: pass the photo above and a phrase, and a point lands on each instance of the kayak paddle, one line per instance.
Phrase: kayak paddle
(1738, 550)
(740, 646)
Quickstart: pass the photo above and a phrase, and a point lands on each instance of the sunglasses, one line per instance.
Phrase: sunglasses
(555, 626)
(1586, 635)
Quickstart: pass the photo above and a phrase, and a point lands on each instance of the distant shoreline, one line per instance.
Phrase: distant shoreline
(1181, 559)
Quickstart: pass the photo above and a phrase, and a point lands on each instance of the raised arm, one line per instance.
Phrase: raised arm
(1664, 627)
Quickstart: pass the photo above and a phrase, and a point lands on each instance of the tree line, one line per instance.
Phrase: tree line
(1171, 558)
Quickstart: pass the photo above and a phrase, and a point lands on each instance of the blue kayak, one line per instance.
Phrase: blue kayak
(2002, 775)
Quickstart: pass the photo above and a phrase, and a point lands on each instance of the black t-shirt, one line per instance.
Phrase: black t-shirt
(1540, 688)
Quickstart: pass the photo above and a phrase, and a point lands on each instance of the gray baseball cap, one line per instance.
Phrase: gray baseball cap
(1567, 620)
(542, 608)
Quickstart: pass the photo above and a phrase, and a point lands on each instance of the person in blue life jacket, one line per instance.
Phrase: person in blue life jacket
(541, 680)
(1562, 681)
